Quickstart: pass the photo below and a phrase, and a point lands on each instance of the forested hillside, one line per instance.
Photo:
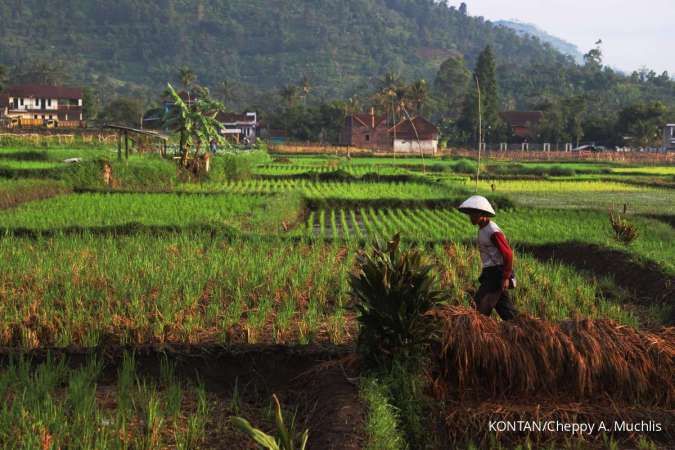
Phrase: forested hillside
(338, 46)
(270, 54)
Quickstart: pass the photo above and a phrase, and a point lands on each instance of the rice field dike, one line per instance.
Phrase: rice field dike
(144, 307)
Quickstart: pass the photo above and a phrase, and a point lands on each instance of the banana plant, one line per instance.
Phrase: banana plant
(286, 438)
(196, 123)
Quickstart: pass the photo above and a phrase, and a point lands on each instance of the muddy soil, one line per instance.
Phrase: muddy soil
(309, 380)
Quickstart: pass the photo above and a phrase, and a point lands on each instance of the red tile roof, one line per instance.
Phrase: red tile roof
(4, 100)
(521, 118)
(405, 129)
(43, 91)
(364, 119)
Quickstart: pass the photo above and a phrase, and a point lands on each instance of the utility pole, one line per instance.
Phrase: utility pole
(480, 131)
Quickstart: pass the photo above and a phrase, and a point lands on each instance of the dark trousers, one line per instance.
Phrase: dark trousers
(490, 295)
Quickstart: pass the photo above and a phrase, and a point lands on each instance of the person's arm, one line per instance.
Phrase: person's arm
(499, 240)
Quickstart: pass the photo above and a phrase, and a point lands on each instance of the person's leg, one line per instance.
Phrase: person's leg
(486, 299)
(505, 307)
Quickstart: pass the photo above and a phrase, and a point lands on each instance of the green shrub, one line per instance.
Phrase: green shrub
(147, 174)
(236, 166)
(394, 290)
(465, 166)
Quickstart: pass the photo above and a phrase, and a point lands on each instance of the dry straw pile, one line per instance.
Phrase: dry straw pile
(483, 358)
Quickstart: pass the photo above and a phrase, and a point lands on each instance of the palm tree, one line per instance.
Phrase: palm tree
(418, 93)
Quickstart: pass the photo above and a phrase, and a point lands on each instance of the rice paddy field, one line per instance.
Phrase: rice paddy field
(143, 313)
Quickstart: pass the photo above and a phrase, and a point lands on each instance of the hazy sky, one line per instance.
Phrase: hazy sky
(634, 33)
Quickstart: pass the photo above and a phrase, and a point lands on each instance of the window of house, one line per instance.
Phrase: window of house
(367, 137)
(49, 102)
(35, 116)
(21, 100)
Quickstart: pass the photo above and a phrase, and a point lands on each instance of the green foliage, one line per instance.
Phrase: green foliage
(642, 123)
(236, 166)
(451, 84)
(383, 418)
(286, 438)
(194, 122)
(624, 231)
(146, 174)
(121, 111)
(394, 290)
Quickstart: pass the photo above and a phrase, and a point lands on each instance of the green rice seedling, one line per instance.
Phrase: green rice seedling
(346, 232)
(333, 223)
(382, 423)
(153, 421)
(286, 439)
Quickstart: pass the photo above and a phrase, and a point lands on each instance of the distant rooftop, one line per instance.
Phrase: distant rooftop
(43, 91)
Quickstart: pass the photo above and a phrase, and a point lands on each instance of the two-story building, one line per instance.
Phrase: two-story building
(38, 105)
(239, 127)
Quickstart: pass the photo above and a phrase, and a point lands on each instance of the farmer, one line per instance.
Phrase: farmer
(497, 259)
(213, 146)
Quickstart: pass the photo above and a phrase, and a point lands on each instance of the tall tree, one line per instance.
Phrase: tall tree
(642, 124)
(123, 111)
(485, 79)
(451, 84)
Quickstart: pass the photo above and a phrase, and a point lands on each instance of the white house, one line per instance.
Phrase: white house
(239, 126)
(669, 136)
(416, 135)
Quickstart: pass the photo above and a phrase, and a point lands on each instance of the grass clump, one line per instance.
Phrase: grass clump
(624, 230)
(147, 174)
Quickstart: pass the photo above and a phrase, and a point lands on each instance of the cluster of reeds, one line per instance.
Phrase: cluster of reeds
(581, 358)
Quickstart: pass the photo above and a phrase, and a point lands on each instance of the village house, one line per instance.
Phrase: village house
(37, 105)
(368, 130)
(669, 137)
(239, 127)
(416, 135)
(523, 124)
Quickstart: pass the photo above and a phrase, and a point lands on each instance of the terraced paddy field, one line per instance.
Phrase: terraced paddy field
(154, 308)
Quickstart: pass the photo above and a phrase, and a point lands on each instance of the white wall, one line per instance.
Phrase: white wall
(427, 147)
